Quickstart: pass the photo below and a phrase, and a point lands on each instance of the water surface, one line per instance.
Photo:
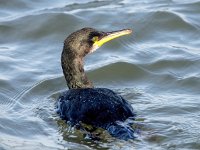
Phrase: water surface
(156, 69)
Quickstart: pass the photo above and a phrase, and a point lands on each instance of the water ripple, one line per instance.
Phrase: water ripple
(156, 69)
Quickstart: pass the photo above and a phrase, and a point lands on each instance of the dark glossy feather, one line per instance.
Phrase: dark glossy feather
(99, 107)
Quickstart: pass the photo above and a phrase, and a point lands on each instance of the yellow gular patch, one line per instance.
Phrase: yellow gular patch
(95, 39)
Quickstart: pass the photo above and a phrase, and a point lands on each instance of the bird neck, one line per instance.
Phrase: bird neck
(74, 72)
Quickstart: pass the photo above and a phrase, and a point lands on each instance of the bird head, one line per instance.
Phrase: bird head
(87, 40)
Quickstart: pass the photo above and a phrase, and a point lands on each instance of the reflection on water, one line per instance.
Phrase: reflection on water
(156, 69)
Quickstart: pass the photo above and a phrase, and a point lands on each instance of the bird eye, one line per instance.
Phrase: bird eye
(95, 38)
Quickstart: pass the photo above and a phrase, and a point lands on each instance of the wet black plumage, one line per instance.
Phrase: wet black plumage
(94, 106)
(99, 107)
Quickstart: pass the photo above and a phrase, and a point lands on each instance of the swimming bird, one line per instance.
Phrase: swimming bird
(83, 103)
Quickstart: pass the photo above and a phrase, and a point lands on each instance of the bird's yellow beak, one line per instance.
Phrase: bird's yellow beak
(110, 36)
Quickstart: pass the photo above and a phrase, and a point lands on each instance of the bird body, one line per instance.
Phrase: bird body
(95, 106)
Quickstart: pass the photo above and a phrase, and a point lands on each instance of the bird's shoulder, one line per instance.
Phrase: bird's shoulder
(90, 94)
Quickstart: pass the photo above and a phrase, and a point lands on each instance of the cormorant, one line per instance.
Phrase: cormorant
(83, 103)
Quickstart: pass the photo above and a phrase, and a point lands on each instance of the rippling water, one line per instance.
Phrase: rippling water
(157, 69)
